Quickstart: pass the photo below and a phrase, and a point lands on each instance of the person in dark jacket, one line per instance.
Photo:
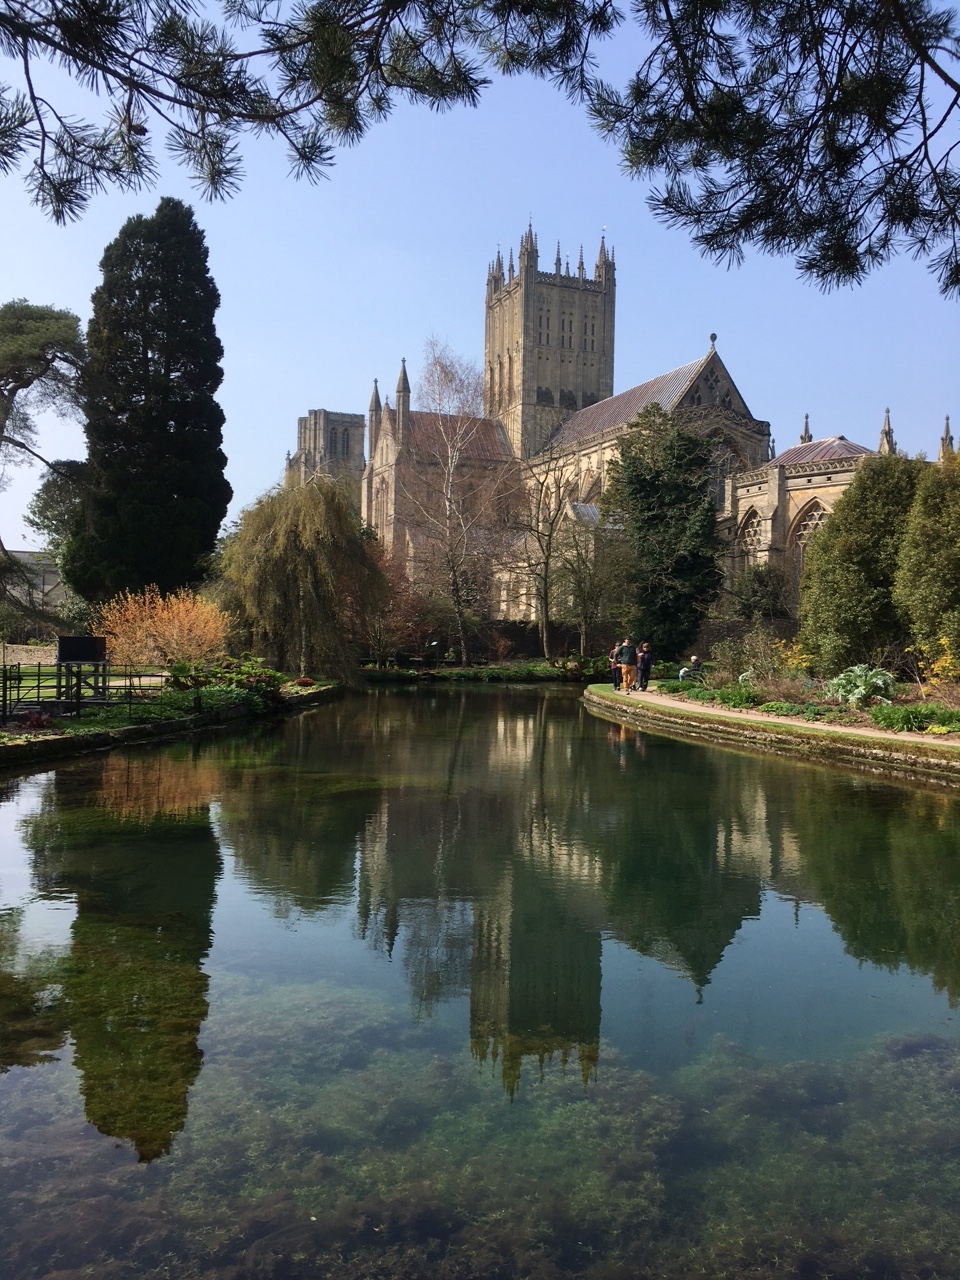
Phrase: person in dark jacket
(615, 671)
(644, 664)
(627, 654)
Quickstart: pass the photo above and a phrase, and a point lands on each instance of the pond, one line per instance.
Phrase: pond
(475, 984)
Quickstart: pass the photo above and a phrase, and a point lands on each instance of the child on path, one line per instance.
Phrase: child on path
(645, 664)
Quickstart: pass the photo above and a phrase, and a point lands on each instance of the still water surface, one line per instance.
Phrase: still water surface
(475, 985)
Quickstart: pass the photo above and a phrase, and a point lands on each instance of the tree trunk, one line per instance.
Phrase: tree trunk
(456, 598)
(303, 631)
(544, 611)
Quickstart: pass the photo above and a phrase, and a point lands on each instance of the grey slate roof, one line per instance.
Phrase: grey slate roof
(667, 391)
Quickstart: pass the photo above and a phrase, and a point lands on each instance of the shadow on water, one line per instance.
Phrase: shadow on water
(488, 848)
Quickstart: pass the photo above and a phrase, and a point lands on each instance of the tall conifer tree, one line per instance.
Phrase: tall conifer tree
(848, 612)
(927, 585)
(154, 429)
(659, 491)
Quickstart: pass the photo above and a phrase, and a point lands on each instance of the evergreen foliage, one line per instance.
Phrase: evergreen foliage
(927, 586)
(826, 131)
(157, 492)
(41, 353)
(659, 492)
(301, 576)
(56, 508)
(847, 611)
(760, 594)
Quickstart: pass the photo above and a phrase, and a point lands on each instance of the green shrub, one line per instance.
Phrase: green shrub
(738, 695)
(912, 718)
(246, 673)
(945, 717)
(697, 693)
(814, 710)
(665, 671)
(673, 686)
(862, 684)
(782, 708)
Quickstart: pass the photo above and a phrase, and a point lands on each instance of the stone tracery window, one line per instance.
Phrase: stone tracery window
(812, 518)
(749, 536)
(711, 379)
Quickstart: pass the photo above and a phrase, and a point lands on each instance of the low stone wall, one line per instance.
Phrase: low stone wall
(16, 755)
(900, 757)
(29, 654)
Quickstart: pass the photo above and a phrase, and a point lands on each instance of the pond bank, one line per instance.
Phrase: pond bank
(906, 756)
(46, 746)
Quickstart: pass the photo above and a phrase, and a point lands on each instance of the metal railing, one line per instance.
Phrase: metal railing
(66, 688)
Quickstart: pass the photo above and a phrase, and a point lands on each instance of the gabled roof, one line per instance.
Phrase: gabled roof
(820, 451)
(667, 391)
(478, 439)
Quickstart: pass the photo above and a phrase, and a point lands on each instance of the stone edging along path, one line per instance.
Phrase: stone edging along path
(15, 755)
(902, 755)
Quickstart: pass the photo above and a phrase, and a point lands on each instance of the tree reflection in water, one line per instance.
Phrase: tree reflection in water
(129, 839)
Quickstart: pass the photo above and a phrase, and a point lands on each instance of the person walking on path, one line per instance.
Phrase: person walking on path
(644, 664)
(616, 673)
(627, 655)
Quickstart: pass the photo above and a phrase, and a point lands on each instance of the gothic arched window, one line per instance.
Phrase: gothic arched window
(333, 442)
(345, 446)
(810, 519)
(749, 536)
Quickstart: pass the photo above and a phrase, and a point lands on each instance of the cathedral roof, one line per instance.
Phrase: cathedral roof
(667, 391)
(820, 451)
(479, 439)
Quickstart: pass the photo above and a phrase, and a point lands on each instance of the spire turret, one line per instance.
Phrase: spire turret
(528, 250)
(558, 264)
(806, 438)
(887, 443)
(403, 404)
(946, 441)
(604, 261)
(510, 271)
(580, 265)
(374, 417)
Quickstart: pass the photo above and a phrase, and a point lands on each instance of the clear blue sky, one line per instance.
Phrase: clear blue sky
(326, 287)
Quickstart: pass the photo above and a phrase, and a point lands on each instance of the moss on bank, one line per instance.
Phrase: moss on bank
(886, 753)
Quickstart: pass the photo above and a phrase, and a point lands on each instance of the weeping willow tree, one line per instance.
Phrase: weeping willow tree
(300, 575)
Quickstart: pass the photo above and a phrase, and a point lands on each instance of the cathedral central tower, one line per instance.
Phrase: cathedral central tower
(549, 342)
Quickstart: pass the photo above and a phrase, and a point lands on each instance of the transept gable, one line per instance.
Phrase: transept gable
(703, 384)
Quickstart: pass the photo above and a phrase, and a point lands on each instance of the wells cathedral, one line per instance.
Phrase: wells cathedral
(549, 402)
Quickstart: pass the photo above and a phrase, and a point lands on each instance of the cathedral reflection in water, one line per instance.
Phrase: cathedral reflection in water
(492, 845)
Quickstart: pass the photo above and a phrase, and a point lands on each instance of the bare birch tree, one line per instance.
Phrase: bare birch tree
(540, 517)
(459, 487)
(592, 577)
